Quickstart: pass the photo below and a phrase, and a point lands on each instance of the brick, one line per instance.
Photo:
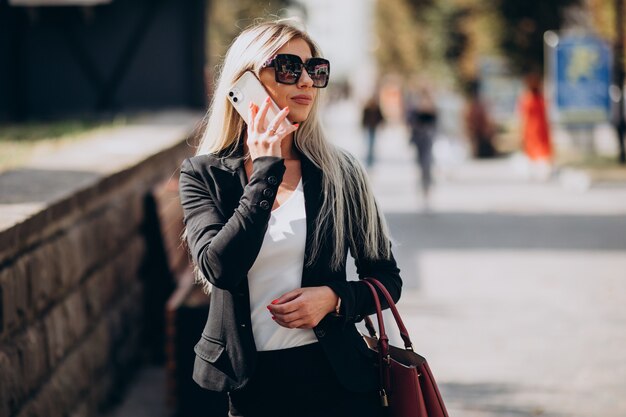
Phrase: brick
(23, 304)
(57, 334)
(8, 308)
(98, 348)
(41, 282)
(92, 248)
(71, 256)
(99, 290)
(130, 262)
(11, 392)
(33, 366)
(14, 297)
(50, 260)
(76, 313)
(70, 381)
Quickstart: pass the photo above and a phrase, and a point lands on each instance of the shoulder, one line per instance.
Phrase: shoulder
(208, 162)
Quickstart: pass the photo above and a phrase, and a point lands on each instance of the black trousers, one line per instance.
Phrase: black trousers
(299, 382)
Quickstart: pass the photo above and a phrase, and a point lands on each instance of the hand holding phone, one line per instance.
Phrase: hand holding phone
(267, 141)
(267, 124)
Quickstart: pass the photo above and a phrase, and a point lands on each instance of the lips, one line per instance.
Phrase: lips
(302, 99)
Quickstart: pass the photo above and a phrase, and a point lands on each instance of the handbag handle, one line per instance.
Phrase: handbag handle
(384, 362)
(394, 310)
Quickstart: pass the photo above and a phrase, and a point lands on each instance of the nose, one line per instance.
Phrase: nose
(305, 80)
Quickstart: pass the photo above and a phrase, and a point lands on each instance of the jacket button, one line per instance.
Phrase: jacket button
(272, 180)
(268, 193)
(265, 205)
(320, 332)
(243, 324)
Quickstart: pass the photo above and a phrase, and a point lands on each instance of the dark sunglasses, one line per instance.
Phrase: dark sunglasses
(288, 69)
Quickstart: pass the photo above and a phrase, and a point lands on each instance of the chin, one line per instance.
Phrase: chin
(298, 118)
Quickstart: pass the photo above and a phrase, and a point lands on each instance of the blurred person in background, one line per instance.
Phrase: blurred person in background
(422, 120)
(372, 118)
(270, 214)
(478, 124)
(535, 128)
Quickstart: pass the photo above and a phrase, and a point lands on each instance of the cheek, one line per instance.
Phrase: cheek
(281, 100)
(279, 97)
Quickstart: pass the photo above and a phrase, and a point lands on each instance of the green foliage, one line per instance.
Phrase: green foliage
(448, 37)
(410, 37)
(457, 38)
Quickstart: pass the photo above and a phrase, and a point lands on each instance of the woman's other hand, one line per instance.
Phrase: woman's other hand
(303, 308)
(263, 141)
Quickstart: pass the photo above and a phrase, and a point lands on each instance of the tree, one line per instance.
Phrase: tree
(526, 22)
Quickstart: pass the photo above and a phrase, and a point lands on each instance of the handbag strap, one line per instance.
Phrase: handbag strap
(396, 314)
(384, 363)
(370, 327)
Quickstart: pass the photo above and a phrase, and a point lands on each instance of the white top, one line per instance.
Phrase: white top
(278, 270)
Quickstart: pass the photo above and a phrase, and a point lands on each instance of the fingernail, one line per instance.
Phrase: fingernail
(273, 318)
(286, 109)
(267, 100)
(275, 301)
(297, 124)
(268, 307)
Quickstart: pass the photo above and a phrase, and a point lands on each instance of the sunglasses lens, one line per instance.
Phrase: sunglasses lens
(319, 71)
(288, 69)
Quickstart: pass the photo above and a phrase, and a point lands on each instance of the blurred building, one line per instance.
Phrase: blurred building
(345, 32)
(73, 57)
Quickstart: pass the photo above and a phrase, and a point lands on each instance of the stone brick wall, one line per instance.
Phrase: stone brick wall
(72, 280)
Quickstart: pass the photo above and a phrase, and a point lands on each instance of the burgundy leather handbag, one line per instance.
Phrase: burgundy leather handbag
(407, 385)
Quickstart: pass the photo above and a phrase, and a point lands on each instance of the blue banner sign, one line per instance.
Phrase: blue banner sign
(582, 78)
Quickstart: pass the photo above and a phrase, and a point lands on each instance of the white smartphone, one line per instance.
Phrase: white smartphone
(248, 88)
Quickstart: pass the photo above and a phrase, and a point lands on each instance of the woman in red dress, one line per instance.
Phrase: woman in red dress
(535, 127)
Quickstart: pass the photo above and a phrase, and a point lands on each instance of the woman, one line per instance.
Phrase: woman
(371, 118)
(270, 215)
(423, 123)
(535, 128)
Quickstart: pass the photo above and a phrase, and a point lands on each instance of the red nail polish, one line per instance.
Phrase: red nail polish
(273, 318)
(275, 301)
(297, 124)
(267, 100)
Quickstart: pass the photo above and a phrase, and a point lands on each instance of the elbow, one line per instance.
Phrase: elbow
(394, 288)
(216, 272)
(397, 293)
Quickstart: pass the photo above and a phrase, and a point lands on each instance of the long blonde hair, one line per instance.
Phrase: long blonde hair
(348, 208)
